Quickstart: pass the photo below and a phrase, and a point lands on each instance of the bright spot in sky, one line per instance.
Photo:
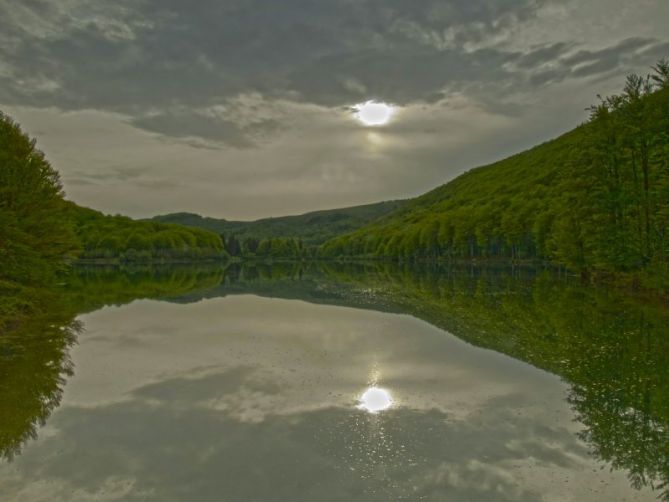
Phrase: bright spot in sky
(372, 113)
(375, 399)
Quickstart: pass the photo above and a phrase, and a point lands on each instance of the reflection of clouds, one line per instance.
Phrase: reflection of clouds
(166, 453)
(256, 399)
(319, 356)
(238, 392)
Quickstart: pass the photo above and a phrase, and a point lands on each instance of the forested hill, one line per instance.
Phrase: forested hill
(312, 228)
(41, 232)
(119, 238)
(594, 199)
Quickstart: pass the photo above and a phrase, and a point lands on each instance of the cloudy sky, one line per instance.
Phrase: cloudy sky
(244, 108)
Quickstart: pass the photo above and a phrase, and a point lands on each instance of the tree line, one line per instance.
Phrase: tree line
(267, 248)
(41, 233)
(123, 239)
(595, 199)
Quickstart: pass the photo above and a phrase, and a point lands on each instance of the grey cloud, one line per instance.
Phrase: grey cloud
(120, 175)
(111, 173)
(541, 55)
(80, 181)
(184, 122)
(607, 59)
(557, 62)
(402, 75)
(625, 46)
(184, 71)
(153, 60)
(544, 77)
(159, 53)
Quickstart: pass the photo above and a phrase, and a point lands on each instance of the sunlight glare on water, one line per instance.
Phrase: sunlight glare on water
(375, 399)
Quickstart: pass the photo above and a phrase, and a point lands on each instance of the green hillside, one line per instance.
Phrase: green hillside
(595, 199)
(41, 233)
(119, 238)
(312, 228)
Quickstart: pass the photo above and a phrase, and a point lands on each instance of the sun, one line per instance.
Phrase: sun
(372, 113)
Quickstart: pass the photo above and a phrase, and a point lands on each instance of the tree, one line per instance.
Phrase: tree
(233, 246)
(661, 73)
(36, 237)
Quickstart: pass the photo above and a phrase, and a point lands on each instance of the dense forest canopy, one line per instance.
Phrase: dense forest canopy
(35, 233)
(595, 199)
(312, 228)
(121, 238)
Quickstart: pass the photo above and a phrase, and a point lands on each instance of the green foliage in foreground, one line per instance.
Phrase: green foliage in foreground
(123, 239)
(595, 199)
(36, 237)
(311, 228)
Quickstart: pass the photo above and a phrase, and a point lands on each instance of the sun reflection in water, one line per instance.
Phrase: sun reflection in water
(375, 399)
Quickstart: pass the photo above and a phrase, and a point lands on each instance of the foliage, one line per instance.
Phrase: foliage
(34, 353)
(270, 248)
(311, 228)
(88, 288)
(34, 365)
(36, 239)
(594, 199)
(119, 238)
(41, 233)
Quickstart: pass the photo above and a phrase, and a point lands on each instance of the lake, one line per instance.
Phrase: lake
(335, 383)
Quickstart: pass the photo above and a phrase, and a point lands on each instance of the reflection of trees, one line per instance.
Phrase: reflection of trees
(34, 364)
(34, 353)
(624, 407)
(614, 352)
(90, 288)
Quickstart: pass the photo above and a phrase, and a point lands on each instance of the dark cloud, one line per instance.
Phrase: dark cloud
(157, 53)
(541, 55)
(185, 123)
(154, 60)
(586, 62)
(557, 62)
(244, 92)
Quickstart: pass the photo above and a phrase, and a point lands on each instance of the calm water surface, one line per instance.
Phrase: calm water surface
(322, 387)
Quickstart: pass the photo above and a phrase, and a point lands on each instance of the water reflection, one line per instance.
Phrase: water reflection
(34, 368)
(168, 397)
(470, 429)
(375, 399)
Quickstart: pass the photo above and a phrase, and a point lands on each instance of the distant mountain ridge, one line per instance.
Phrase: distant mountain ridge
(312, 228)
